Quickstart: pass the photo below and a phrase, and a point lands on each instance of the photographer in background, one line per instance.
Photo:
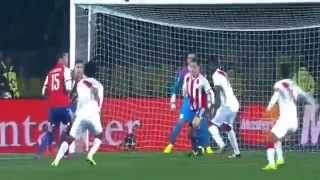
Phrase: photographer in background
(305, 80)
(9, 76)
(4, 86)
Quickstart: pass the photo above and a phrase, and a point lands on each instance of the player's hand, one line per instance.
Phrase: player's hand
(196, 122)
(173, 106)
(268, 109)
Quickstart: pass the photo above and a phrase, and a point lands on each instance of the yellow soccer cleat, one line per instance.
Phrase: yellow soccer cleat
(209, 150)
(91, 161)
(270, 168)
(280, 162)
(168, 149)
(54, 164)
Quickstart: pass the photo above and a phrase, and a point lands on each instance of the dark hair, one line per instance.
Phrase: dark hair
(60, 55)
(189, 56)
(90, 69)
(196, 60)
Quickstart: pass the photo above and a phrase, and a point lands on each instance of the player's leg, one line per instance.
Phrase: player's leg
(185, 116)
(228, 126)
(277, 133)
(278, 144)
(96, 128)
(74, 132)
(271, 154)
(214, 129)
(233, 140)
(279, 153)
(47, 139)
(204, 136)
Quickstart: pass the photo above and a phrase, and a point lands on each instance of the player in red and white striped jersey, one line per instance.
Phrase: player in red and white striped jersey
(200, 95)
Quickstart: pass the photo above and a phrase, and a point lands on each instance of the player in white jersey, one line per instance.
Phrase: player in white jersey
(286, 94)
(226, 113)
(87, 116)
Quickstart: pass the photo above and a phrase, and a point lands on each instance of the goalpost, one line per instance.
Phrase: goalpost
(139, 46)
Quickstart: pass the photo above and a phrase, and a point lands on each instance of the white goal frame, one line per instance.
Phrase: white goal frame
(74, 3)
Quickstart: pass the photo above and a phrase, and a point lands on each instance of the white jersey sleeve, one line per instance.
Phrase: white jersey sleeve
(273, 100)
(44, 87)
(67, 79)
(99, 88)
(208, 90)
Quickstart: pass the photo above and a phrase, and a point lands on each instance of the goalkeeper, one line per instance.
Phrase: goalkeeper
(193, 100)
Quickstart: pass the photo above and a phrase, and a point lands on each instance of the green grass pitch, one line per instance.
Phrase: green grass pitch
(156, 166)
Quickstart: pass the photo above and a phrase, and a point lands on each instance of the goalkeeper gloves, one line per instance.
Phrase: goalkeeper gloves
(197, 119)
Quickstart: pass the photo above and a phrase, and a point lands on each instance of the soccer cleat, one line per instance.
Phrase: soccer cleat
(209, 150)
(54, 164)
(91, 161)
(168, 149)
(280, 162)
(234, 156)
(270, 167)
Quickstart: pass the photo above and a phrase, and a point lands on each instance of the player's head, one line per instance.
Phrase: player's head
(78, 68)
(216, 62)
(63, 58)
(189, 58)
(194, 67)
(90, 69)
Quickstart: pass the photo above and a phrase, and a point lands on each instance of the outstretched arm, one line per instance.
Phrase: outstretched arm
(305, 95)
(273, 100)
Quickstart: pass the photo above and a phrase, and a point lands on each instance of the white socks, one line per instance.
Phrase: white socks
(216, 136)
(233, 141)
(278, 148)
(95, 147)
(62, 150)
(270, 156)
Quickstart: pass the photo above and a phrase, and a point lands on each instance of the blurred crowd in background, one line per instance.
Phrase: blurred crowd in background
(30, 35)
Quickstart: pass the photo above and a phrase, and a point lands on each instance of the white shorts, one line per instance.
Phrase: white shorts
(82, 123)
(283, 127)
(224, 115)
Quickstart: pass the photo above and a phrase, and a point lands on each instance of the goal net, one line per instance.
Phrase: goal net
(140, 48)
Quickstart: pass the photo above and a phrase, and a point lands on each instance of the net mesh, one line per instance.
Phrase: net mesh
(140, 49)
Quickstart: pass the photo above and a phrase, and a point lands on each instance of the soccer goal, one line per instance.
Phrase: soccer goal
(140, 45)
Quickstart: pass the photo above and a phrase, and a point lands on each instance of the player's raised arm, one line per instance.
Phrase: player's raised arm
(273, 99)
(67, 79)
(304, 94)
(44, 87)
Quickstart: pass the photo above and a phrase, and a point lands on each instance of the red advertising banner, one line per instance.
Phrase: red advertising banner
(256, 123)
(22, 121)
